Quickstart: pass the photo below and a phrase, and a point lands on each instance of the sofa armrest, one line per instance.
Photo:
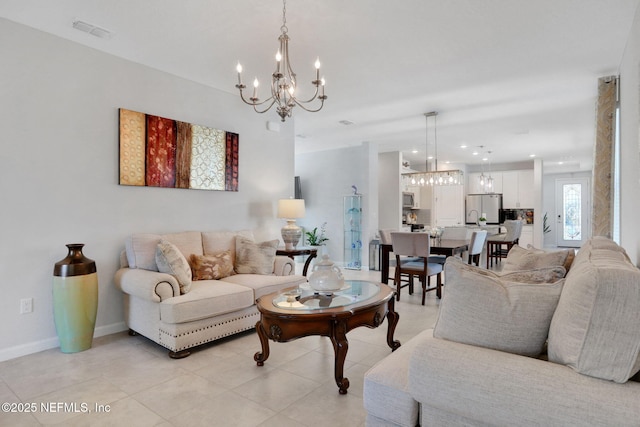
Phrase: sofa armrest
(149, 285)
(283, 266)
(496, 388)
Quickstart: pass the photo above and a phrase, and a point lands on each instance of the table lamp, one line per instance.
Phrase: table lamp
(290, 209)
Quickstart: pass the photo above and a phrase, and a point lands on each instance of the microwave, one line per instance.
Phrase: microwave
(408, 200)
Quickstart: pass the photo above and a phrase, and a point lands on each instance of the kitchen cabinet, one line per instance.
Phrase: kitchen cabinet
(474, 186)
(426, 197)
(525, 189)
(416, 190)
(517, 189)
(526, 236)
(448, 206)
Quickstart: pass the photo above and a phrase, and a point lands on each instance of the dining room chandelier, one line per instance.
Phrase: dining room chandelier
(284, 83)
(435, 177)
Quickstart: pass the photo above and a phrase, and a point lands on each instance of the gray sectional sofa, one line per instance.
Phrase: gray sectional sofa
(163, 303)
(588, 376)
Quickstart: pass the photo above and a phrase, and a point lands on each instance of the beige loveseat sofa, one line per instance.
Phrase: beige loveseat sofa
(585, 378)
(179, 313)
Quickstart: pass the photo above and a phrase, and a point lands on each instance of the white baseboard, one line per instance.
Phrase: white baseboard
(46, 344)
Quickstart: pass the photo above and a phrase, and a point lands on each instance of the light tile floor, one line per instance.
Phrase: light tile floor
(131, 381)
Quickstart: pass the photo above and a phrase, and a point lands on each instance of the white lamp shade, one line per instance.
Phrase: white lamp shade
(291, 208)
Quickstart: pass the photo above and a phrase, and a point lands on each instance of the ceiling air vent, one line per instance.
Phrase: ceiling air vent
(92, 29)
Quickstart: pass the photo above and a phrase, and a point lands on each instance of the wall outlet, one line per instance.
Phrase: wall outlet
(26, 305)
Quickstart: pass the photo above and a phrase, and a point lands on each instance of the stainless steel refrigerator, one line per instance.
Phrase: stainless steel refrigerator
(489, 204)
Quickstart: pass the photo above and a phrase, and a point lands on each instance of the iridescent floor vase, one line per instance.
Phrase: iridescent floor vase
(75, 300)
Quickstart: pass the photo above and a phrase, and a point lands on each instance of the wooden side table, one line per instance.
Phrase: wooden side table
(311, 252)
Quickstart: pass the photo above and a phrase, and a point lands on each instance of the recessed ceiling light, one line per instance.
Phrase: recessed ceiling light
(532, 155)
(560, 163)
(475, 153)
(463, 146)
(346, 122)
(430, 157)
(415, 151)
(447, 162)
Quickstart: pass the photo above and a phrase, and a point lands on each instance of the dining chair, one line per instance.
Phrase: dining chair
(385, 239)
(476, 245)
(498, 246)
(415, 245)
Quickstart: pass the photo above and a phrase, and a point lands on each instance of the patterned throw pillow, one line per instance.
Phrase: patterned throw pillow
(255, 258)
(171, 261)
(211, 267)
(529, 259)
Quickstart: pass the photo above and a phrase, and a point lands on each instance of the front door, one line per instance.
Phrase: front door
(572, 211)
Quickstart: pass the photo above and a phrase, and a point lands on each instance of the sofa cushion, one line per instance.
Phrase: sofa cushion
(141, 251)
(171, 261)
(386, 386)
(483, 310)
(595, 327)
(212, 267)
(255, 258)
(141, 248)
(537, 275)
(189, 242)
(265, 284)
(214, 242)
(520, 258)
(207, 298)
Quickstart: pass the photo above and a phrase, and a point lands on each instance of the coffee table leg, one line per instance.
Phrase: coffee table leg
(392, 319)
(340, 347)
(260, 357)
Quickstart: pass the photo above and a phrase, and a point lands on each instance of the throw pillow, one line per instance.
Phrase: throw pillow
(171, 261)
(595, 327)
(211, 267)
(520, 258)
(479, 308)
(255, 258)
(571, 255)
(537, 275)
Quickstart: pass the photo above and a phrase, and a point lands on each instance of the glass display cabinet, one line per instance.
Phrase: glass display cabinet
(353, 232)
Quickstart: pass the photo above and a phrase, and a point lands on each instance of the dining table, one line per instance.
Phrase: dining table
(447, 247)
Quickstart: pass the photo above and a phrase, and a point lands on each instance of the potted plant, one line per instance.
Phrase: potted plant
(315, 237)
(545, 225)
(482, 221)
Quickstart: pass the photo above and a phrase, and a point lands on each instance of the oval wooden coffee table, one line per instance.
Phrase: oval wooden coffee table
(300, 312)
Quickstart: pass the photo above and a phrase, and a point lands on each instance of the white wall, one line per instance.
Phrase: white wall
(326, 177)
(630, 143)
(59, 172)
(390, 201)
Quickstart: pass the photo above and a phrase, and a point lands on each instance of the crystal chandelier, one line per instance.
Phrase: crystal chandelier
(435, 177)
(283, 82)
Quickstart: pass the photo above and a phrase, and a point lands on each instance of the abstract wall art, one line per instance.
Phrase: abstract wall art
(160, 152)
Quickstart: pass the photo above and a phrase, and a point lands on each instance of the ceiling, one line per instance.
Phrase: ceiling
(517, 77)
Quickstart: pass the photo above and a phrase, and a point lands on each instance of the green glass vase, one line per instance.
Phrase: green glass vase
(75, 300)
